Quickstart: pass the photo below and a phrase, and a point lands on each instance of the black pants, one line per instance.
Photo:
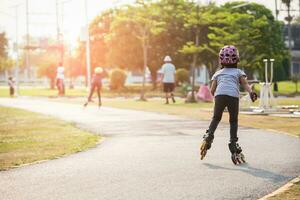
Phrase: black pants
(11, 91)
(232, 104)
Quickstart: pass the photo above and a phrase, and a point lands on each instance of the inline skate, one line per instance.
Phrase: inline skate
(236, 153)
(206, 143)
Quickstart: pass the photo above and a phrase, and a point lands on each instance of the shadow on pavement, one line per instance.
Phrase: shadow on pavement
(246, 168)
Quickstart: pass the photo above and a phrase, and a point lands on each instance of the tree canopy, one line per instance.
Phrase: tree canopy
(5, 62)
(169, 27)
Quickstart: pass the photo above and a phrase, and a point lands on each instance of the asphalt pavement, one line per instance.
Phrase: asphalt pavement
(153, 156)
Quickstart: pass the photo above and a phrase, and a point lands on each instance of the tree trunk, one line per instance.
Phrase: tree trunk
(145, 55)
(195, 56)
(52, 83)
(154, 79)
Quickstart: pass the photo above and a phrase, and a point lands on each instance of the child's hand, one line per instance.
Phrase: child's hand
(253, 96)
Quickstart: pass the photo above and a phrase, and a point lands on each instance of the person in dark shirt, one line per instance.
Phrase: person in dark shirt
(11, 84)
(96, 84)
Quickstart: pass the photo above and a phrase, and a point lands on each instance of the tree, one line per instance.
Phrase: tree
(5, 62)
(253, 29)
(143, 21)
(197, 19)
(46, 62)
(173, 38)
(99, 28)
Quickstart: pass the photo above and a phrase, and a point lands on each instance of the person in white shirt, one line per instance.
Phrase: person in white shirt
(168, 78)
(60, 80)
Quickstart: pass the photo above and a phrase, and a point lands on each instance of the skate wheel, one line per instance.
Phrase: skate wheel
(243, 158)
(203, 150)
(233, 158)
(236, 159)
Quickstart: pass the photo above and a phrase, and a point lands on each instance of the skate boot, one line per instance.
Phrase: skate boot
(236, 153)
(206, 143)
(173, 98)
(167, 101)
(86, 103)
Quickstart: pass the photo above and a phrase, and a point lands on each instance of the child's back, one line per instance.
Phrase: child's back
(228, 81)
(225, 88)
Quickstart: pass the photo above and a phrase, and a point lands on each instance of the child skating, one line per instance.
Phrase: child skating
(225, 88)
(96, 84)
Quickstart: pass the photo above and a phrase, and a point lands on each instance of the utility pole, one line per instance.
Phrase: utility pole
(87, 47)
(58, 38)
(17, 52)
(27, 59)
(289, 18)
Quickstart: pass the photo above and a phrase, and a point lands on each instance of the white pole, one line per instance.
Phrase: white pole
(88, 61)
(27, 61)
(266, 70)
(17, 54)
(57, 21)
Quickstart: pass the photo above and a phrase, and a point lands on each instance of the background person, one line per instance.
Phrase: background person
(168, 78)
(96, 84)
(60, 77)
(11, 84)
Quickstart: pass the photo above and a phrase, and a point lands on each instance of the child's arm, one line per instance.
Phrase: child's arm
(245, 84)
(247, 87)
(213, 87)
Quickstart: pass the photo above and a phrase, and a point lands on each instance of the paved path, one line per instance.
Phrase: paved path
(151, 156)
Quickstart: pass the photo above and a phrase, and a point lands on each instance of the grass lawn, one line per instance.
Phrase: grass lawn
(26, 137)
(292, 193)
(131, 90)
(128, 91)
(203, 111)
(284, 88)
(43, 92)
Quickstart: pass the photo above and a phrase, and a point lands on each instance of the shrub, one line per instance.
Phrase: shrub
(182, 76)
(117, 79)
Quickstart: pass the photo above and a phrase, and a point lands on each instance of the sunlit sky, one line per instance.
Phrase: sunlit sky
(42, 18)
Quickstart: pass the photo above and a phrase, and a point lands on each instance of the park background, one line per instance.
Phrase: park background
(131, 40)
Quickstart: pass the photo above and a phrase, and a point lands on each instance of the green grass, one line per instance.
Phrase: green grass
(43, 92)
(26, 137)
(292, 193)
(129, 91)
(284, 88)
(132, 90)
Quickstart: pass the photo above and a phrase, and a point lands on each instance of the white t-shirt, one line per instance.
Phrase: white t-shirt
(60, 72)
(228, 81)
(168, 70)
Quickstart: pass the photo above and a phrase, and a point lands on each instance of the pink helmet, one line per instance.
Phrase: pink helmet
(229, 55)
